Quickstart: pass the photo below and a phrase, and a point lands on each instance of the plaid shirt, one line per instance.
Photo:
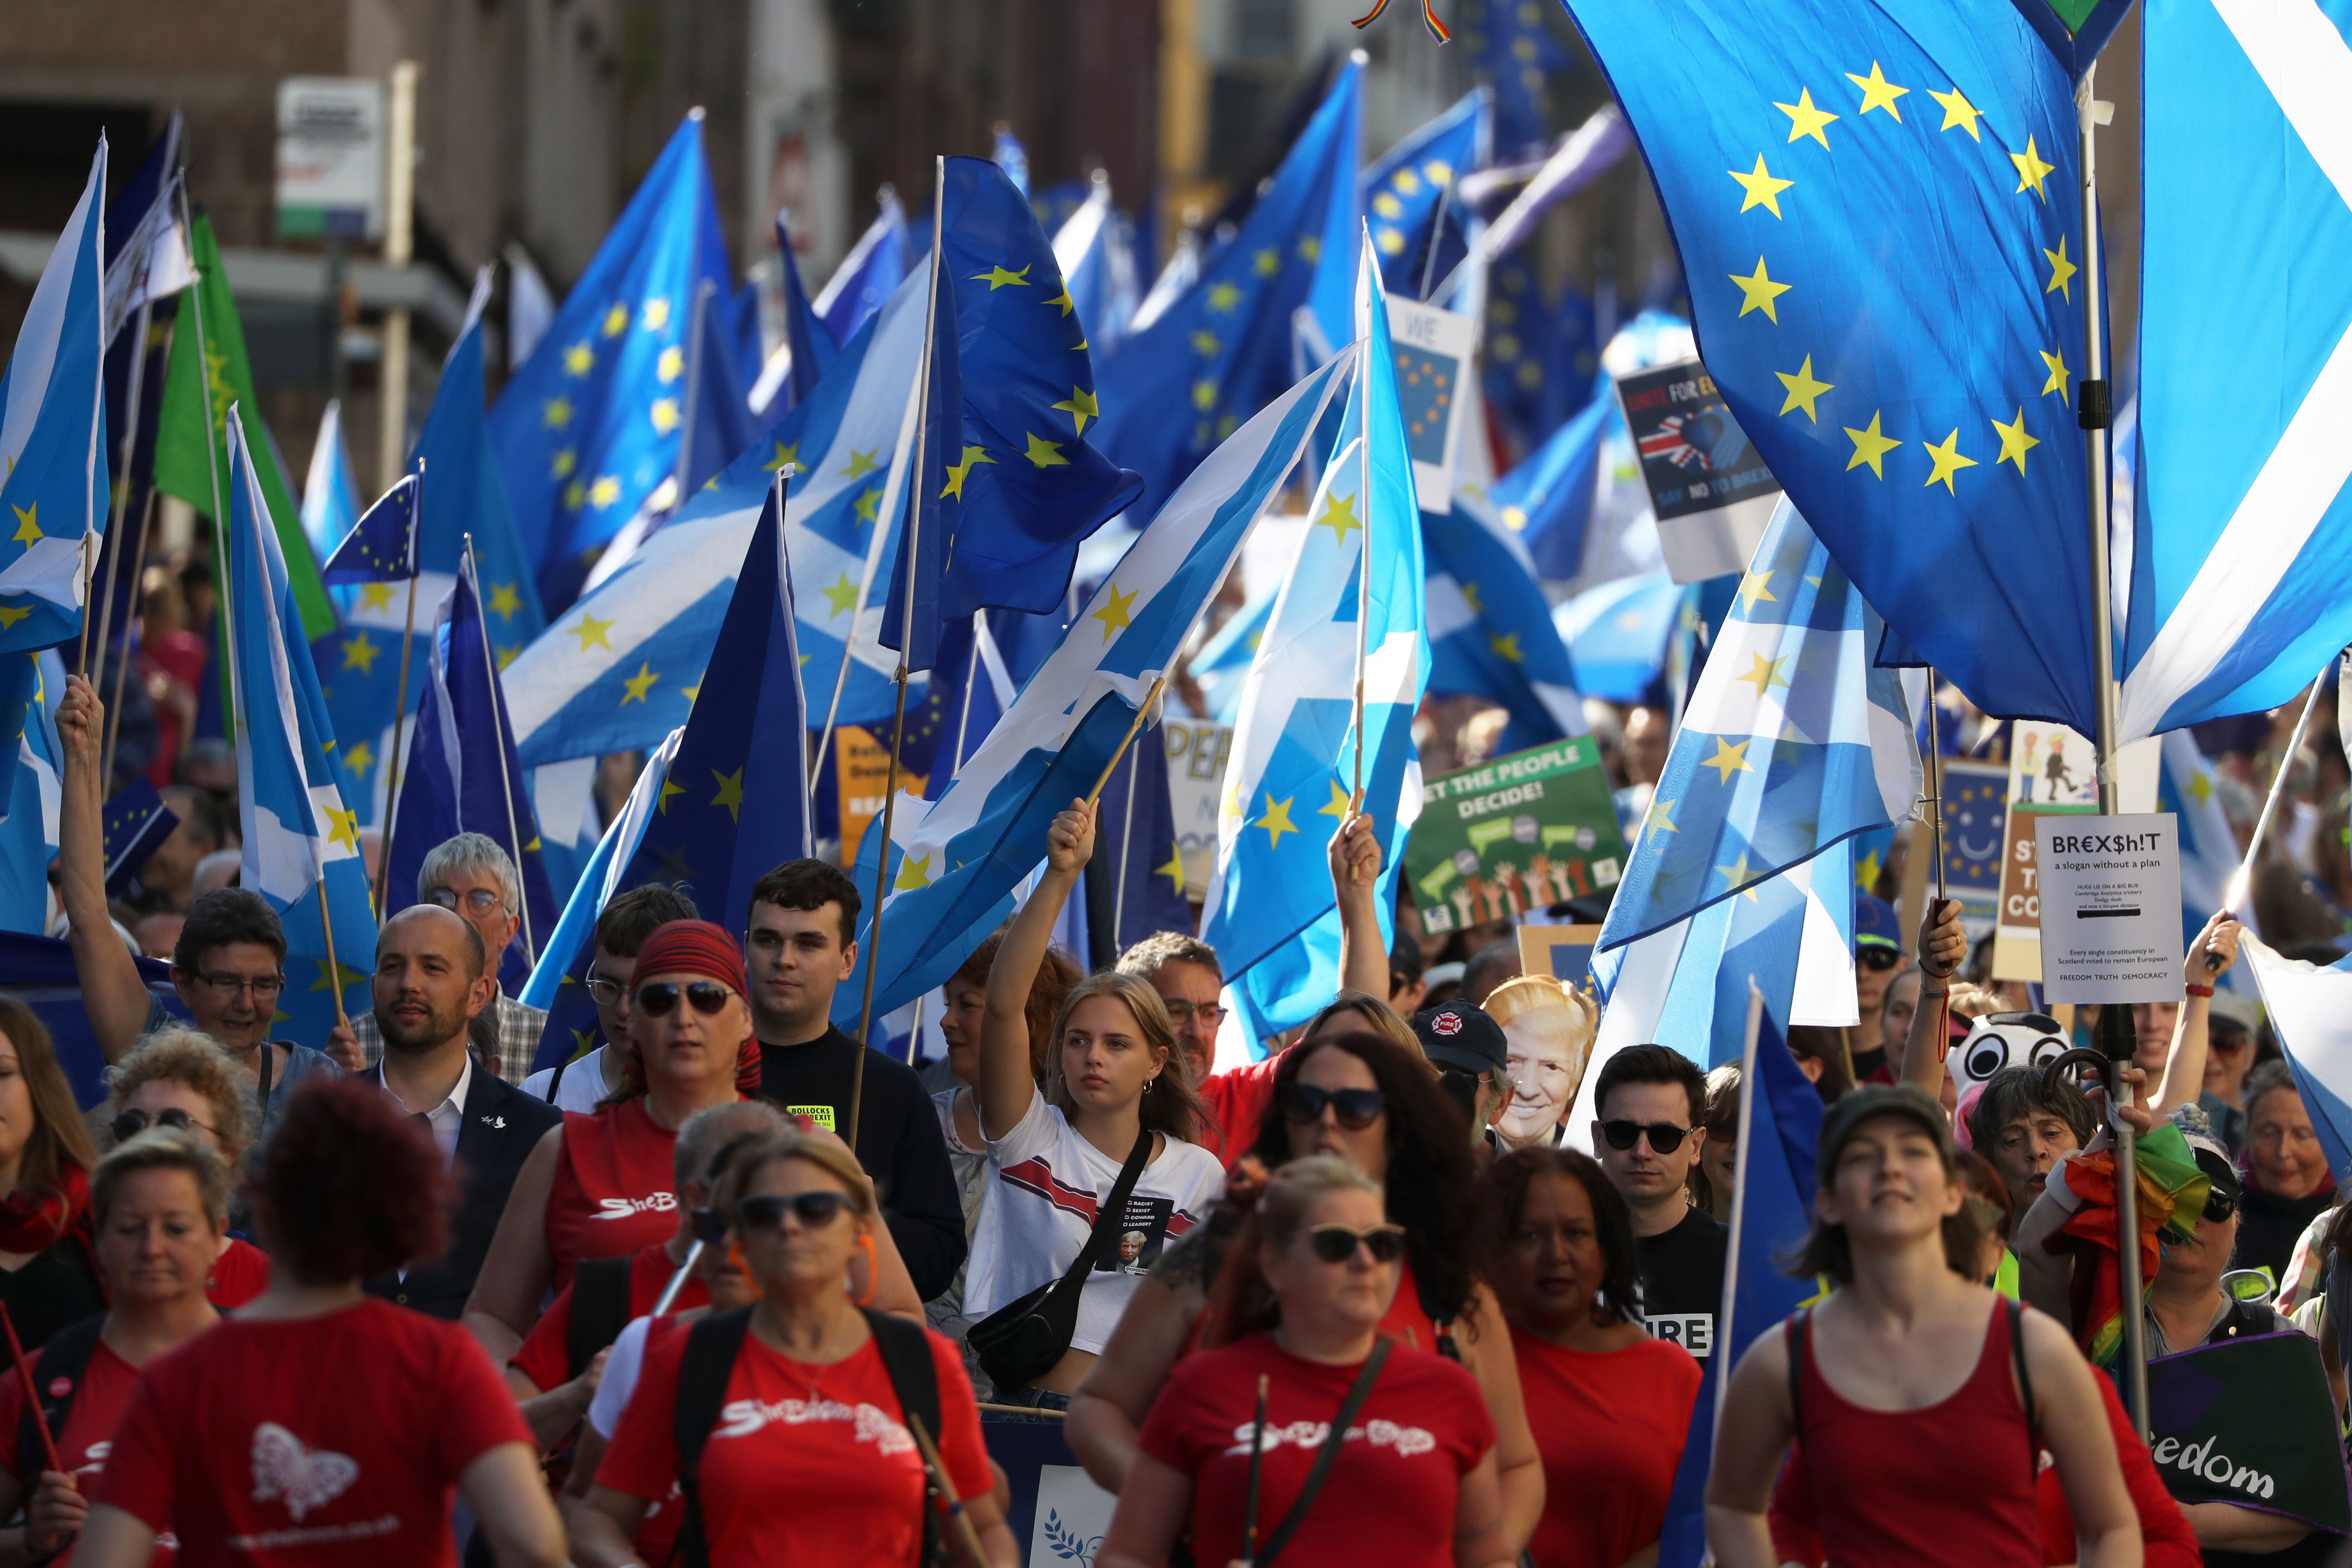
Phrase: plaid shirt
(505, 1047)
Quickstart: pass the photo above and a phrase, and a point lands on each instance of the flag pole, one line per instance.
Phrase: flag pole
(1126, 841)
(1738, 1228)
(334, 964)
(1134, 728)
(399, 703)
(693, 388)
(905, 637)
(1934, 771)
(114, 713)
(499, 718)
(134, 392)
(2240, 883)
(2094, 416)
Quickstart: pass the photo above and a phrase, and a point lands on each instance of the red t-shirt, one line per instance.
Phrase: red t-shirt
(335, 1441)
(1389, 1498)
(106, 1387)
(546, 1355)
(612, 1191)
(808, 1463)
(1237, 1102)
(1610, 1426)
(238, 1275)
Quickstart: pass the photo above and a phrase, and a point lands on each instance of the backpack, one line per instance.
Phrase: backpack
(600, 1308)
(712, 1346)
(63, 1359)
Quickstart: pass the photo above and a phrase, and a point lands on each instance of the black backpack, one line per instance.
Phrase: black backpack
(600, 1308)
(63, 1359)
(712, 1346)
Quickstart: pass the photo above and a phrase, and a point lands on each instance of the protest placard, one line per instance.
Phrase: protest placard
(2110, 907)
(2249, 1421)
(1711, 493)
(1514, 836)
(2050, 769)
(1197, 751)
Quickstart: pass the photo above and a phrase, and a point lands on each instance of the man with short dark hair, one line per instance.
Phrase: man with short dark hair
(431, 980)
(1406, 987)
(1650, 1101)
(2024, 1125)
(801, 944)
(581, 1081)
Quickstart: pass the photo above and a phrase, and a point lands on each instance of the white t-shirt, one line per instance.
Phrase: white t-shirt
(583, 1086)
(1045, 1181)
(622, 1368)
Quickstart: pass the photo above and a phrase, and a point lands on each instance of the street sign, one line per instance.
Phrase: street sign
(330, 157)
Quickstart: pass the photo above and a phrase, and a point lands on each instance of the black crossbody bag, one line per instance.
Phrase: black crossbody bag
(1021, 1341)
(1324, 1458)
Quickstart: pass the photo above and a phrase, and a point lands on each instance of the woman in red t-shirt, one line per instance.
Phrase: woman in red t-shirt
(320, 1427)
(600, 1186)
(1413, 1485)
(810, 1458)
(180, 1078)
(160, 1204)
(1609, 1405)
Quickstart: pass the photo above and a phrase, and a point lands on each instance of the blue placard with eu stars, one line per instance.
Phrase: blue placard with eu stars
(1875, 202)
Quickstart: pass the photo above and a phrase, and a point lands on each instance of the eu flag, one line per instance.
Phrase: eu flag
(1875, 203)
(381, 546)
(135, 822)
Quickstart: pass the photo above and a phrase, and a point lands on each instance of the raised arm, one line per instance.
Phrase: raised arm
(2184, 1063)
(1005, 1085)
(112, 991)
(1942, 947)
(1355, 856)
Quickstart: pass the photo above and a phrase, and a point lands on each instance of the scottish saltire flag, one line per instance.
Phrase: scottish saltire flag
(462, 776)
(2208, 850)
(1222, 666)
(134, 823)
(1404, 193)
(868, 275)
(1011, 482)
(146, 246)
(618, 670)
(1516, 53)
(300, 842)
(1618, 634)
(30, 685)
(1221, 350)
(1792, 741)
(2311, 1008)
(53, 458)
(587, 431)
(1292, 774)
(955, 862)
(330, 497)
(1791, 142)
(380, 546)
(2241, 535)
(1095, 250)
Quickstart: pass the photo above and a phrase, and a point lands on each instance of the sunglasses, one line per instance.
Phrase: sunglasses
(708, 996)
(1357, 1109)
(2219, 1205)
(1338, 1244)
(766, 1213)
(1877, 958)
(709, 1227)
(1665, 1136)
(131, 1124)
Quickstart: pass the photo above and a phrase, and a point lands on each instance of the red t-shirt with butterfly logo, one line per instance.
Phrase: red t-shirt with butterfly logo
(335, 1441)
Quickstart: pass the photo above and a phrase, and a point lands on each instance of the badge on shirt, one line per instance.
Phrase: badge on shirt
(821, 1115)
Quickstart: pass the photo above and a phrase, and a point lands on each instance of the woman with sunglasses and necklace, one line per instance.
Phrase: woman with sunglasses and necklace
(600, 1184)
(810, 1457)
(1413, 1483)
(181, 1080)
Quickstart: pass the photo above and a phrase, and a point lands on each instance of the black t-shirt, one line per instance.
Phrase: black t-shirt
(53, 1289)
(899, 1143)
(2270, 1226)
(1682, 1280)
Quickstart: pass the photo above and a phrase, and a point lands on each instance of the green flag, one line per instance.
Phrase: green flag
(183, 467)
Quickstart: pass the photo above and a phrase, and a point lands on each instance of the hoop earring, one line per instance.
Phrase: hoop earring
(735, 1257)
(872, 1269)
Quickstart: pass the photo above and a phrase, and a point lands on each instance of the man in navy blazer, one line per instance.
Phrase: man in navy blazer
(431, 979)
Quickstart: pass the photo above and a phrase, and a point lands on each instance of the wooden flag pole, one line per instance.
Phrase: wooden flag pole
(2243, 879)
(952, 1503)
(334, 964)
(1134, 728)
(1935, 822)
(498, 714)
(400, 701)
(135, 394)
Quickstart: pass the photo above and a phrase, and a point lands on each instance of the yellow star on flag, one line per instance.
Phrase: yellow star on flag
(2201, 786)
(1661, 818)
(604, 491)
(579, 359)
(1959, 112)
(375, 596)
(1062, 299)
(563, 463)
(2032, 170)
(959, 472)
(329, 973)
(1946, 457)
(2056, 365)
(1804, 120)
(861, 463)
(2061, 272)
(1870, 447)
(1506, 647)
(1080, 406)
(2014, 442)
(1268, 263)
(504, 600)
(730, 793)
(1735, 876)
(664, 415)
(359, 653)
(1310, 249)
(1758, 585)
(1470, 597)
(1760, 293)
(784, 454)
(1223, 296)
(1204, 396)
(997, 278)
(345, 830)
(1763, 190)
(1173, 871)
(841, 596)
(1114, 614)
(671, 364)
(656, 314)
(27, 528)
(1802, 389)
(1877, 92)
(360, 758)
(670, 787)
(1728, 759)
(1204, 343)
(1339, 805)
(1338, 516)
(869, 504)
(556, 412)
(591, 632)
(8, 619)
(1277, 820)
(616, 321)
(914, 871)
(1046, 454)
(1764, 674)
(639, 683)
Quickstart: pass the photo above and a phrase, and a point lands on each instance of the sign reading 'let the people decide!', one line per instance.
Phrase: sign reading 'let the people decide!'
(1515, 835)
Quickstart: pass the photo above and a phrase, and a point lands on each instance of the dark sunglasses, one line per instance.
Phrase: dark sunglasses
(1877, 958)
(766, 1212)
(131, 1124)
(706, 995)
(2219, 1205)
(1356, 1108)
(1337, 1243)
(1665, 1136)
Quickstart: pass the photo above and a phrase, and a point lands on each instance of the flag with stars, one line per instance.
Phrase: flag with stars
(587, 431)
(1094, 249)
(1404, 191)
(299, 840)
(1135, 884)
(53, 458)
(868, 275)
(1221, 350)
(134, 822)
(1975, 817)
(30, 685)
(1516, 53)
(955, 862)
(1540, 354)
(1012, 484)
(1270, 914)
(1222, 666)
(1845, 181)
(2208, 850)
(1791, 740)
(381, 545)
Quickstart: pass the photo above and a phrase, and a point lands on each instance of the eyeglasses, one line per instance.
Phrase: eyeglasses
(605, 991)
(131, 1124)
(229, 987)
(1357, 1109)
(1338, 1244)
(1183, 1012)
(1877, 958)
(480, 901)
(707, 996)
(1665, 1136)
(2219, 1205)
(813, 1210)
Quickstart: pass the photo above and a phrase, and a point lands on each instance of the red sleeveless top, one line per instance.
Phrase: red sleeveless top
(1953, 1483)
(613, 1188)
